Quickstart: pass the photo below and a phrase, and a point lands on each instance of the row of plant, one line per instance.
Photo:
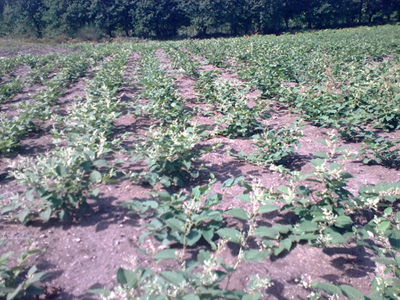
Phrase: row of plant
(43, 66)
(32, 114)
(325, 217)
(346, 80)
(326, 212)
(65, 177)
(169, 146)
(60, 181)
(182, 60)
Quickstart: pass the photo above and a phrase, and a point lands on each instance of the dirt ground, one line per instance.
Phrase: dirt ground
(85, 253)
(14, 48)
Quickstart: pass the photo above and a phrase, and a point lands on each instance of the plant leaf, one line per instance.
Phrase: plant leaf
(230, 234)
(165, 254)
(176, 224)
(267, 208)
(127, 277)
(329, 288)
(239, 213)
(264, 231)
(95, 177)
(45, 215)
(254, 255)
(351, 293)
(175, 277)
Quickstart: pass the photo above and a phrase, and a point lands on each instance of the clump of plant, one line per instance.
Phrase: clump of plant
(39, 75)
(383, 230)
(93, 113)
(380, 151)
(273, 146)
(205, 85)
(185, 283)
(323, 216)
(10, 132)
(164, 101)
(18, 280)
(170, 153)
(181, 60)
(61, 181)
(185, 219)
(181, 217)
(9, 90)
(236, 118)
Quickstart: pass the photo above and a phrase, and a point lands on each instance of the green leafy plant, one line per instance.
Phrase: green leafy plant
(62, 180)
(182, 61)
(380, 151)
(19, 281)
(186, 219)
(181, 217)
(273, 146)
(382, 228)
(10, 133)
(184, 284)
(237, 119)
(170, 153)
(9, 90)
(164, 102)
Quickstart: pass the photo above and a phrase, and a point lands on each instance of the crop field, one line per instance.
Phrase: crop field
(263, 167)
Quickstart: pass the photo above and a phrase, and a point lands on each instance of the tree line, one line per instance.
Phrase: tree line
(166, 18)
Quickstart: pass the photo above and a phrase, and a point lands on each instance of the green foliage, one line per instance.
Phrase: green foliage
(19, 281)
(345, 80)
(162, 19)
(164, 102)
(380, 151)
(186, 219)
(62, 179)
(182, 61)
(171, 154)
(273, 146)
(9, 90)
(235, 118)
(384, 229)
(205, 85)
(181, 217)
(10, 133)
(184, 284)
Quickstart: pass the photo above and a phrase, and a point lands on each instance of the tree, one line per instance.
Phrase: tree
(237, 13)
(123, 15)
(24, 15)
(204, 14)
(103, 14)
(160, 17)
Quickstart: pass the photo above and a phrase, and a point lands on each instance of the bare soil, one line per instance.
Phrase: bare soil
(85, 253)
(11, 49)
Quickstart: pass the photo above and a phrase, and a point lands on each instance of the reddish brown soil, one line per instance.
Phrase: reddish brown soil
(11, 49)
(86, 253)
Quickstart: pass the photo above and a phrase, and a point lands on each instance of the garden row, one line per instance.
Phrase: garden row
(345, 80)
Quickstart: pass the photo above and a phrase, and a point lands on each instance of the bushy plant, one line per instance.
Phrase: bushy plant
(184, 284)
(9, 90)
(273, 146)
(19, 280)
(380, 151)
(170, 153)
(60, 181)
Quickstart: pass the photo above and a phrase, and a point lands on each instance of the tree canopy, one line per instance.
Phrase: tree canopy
(164, 18)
